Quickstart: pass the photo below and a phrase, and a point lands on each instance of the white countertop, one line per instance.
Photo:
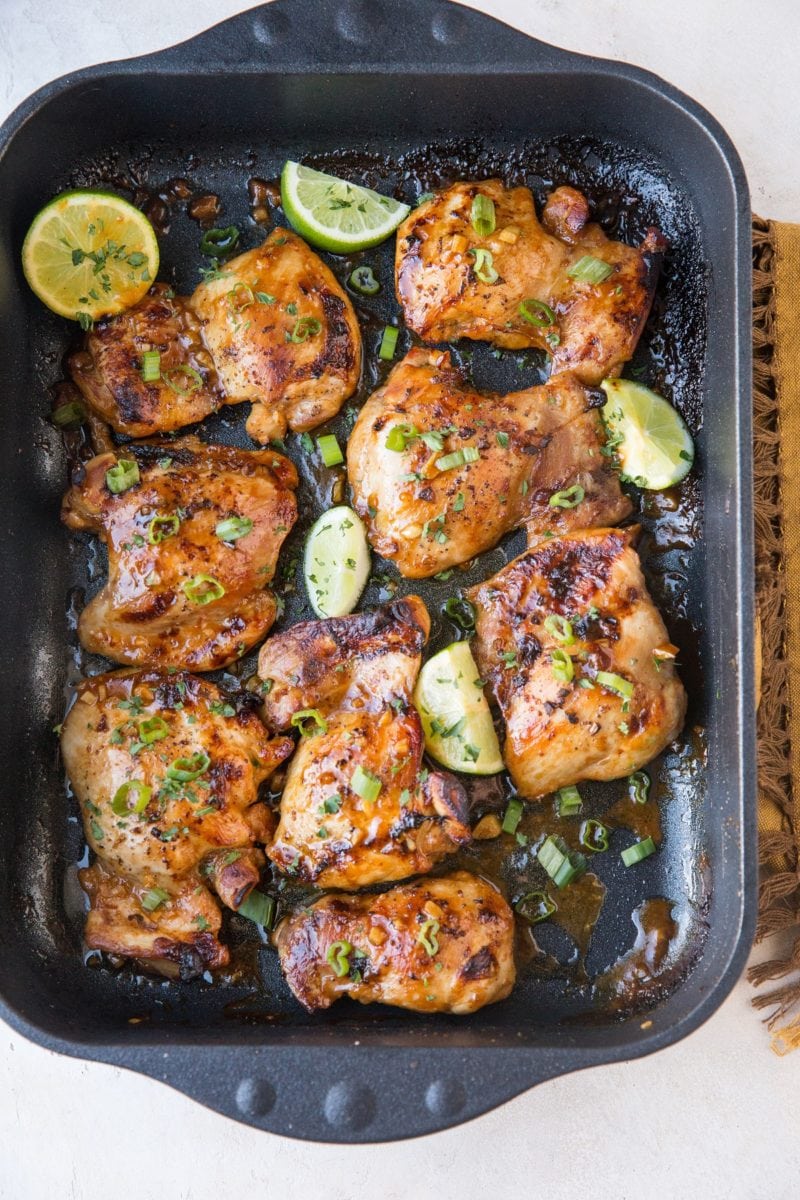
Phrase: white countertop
(714, 1116)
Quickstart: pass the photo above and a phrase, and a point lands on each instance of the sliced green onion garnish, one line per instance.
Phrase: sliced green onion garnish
(338, 957)
(537, 313)
(365, 784)
(468, 454)
(461, 611)
(590, 270)
(153, 899)
(258, 908)
(233, 528)
(363, 280)
(304, 328)
(153, 730)
(483, 216)
(216, 243)
(535, 907)
(562, 864)
(639, 786)
(330, 450)
(559, 628)
(189, 768)
(563, 667)
(638, 851)
(123, 476)
(161, 528)
(202, 589)
(388, 342)
(131, 797)
(615, 683)
(151, 366)
(193, 380)
(427, 936)
(69, 414)
(594, 836)
(310, 722)
(571, 497)
(484, 265)
(513, 815)
(399, 436)
(568, 801)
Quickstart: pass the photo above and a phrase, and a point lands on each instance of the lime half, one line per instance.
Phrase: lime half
(334, 214)
(336, 562)
(89, 255)
(455, 715)
(654, 447)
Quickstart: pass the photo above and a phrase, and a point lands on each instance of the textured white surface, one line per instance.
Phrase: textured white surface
(714, 1116)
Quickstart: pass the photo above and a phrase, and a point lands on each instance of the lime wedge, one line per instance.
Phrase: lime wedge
(334, 214)
(89, 255)
(654, 447)
(336, 562)
(455, 715)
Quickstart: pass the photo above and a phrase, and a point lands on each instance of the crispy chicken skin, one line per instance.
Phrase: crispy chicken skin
(161, 539)
(435, 945)
(597, 325)
(559, 732)
(531, 444)
(282, 334)
(108, 370)
(192, 838)
(358, 673)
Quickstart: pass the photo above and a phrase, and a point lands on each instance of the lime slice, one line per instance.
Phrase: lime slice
(455, 715)
(654, 447)
(336, 562)
(89, 255)
(334, 214)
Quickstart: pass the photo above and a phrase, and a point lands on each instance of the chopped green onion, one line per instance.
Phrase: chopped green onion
(131, 797)
(502, 438)
(484, 265)
(468, 454)
(258, 908)
(161, 528)
(363, 280)
(590, 269)
(562, 864)
(594, 836)
(461, 611)
(202, 589)
(568, 801)
(329, 449)
(153, 899)
(193, 377)
(233, 528)
(559, 628)
(239, 298)
(69, 414)
(123, 476)
(399, 436)
(483, 215)
(153, 730)
(423, 198)
(151, 366)
(639, 850)
(310, 722)
(615, 683)
(563, 667)
(189, 768)
(388, 342)
(338, 957)
(216, 243)
(537, 313)
(571, 497)
(639, 785)
(304, 328)
(427, 936)
(365, 784)
(535, 907)
(513, 815)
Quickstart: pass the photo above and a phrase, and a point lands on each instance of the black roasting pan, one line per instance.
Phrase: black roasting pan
(408, 94)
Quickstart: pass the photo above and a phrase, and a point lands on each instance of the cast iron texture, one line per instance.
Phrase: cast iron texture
(305, 77)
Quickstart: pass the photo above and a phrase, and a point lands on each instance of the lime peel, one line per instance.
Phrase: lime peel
(334, 214)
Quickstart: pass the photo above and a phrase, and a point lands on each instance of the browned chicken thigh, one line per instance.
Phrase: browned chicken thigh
(167, 773)
(579, 661)
(521, 284)
(435, 945)
(356, 807)
(440, 472)
(282, 334)
(192, 540)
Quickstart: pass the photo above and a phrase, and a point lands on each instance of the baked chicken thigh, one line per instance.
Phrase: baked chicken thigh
(579, 661)
(167, 773)
(521, 285)
(356, 807)
(440, 472)
(193, 540)
(282, 334)
(435, 945)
